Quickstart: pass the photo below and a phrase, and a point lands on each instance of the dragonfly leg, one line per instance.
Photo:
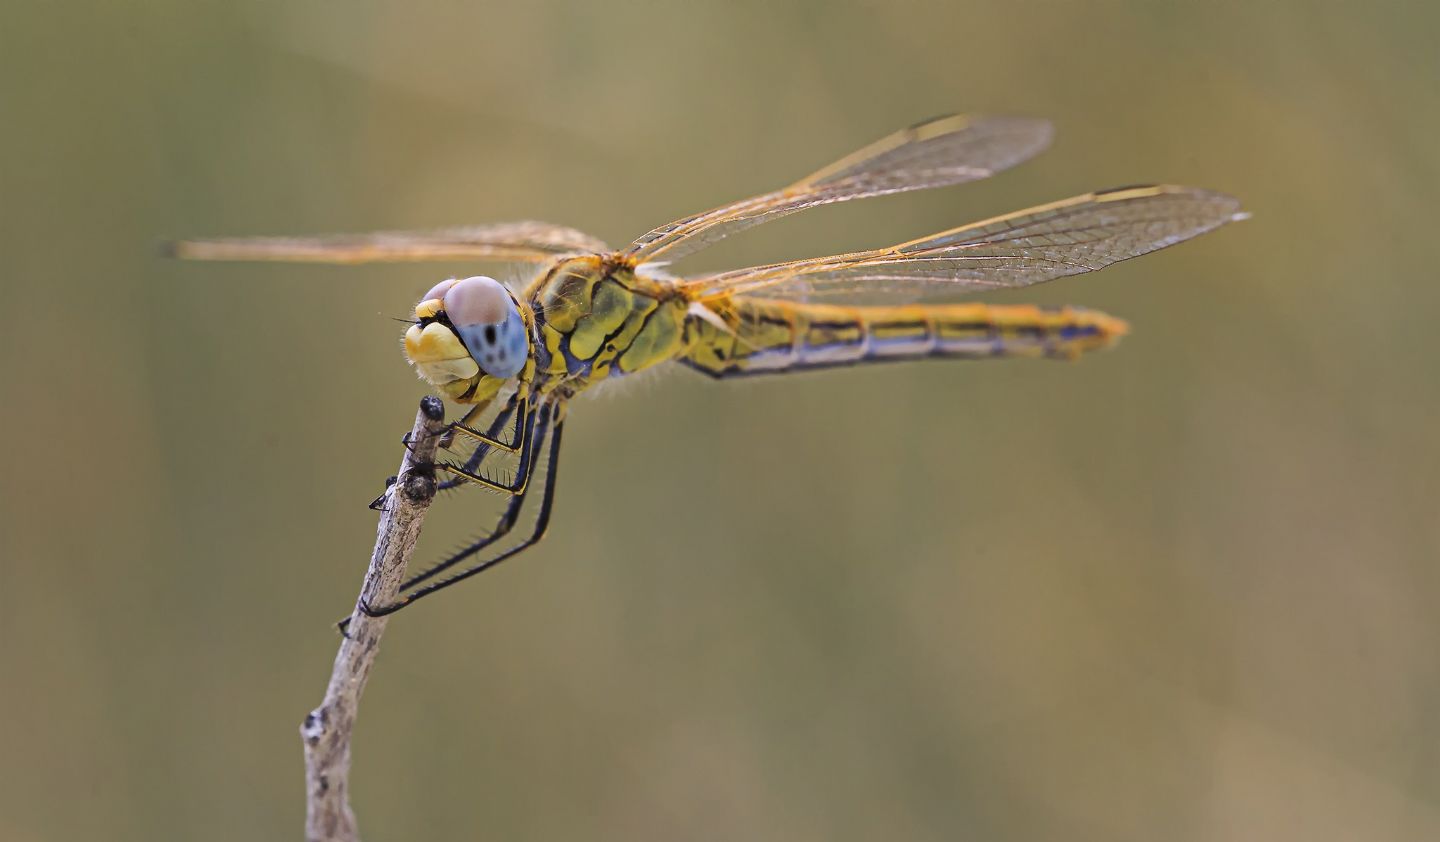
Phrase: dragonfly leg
(378, 504)
(508, 518)
(468, 472)
(491, 437)
(409, 591)
(472, 464)
(497, 426)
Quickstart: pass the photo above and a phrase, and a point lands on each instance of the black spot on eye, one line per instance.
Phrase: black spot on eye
(490, 334)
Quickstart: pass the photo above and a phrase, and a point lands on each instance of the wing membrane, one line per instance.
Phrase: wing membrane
(1069, 237)
(937, 153)
(530, 242)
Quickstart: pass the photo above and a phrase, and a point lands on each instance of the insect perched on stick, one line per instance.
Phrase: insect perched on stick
(592, 313)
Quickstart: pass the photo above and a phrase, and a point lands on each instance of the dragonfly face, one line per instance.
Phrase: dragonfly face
(469, 338)
(593, 313)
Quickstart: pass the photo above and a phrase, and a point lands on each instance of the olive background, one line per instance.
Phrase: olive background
(1184, 590)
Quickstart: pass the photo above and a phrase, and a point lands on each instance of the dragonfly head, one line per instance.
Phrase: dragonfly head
(469, 338)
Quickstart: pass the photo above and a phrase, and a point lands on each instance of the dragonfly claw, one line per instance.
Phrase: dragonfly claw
(368, 611)
(378, 504)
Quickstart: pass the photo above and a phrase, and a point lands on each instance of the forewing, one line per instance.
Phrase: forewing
(1076, 235)
(937, 153)
(529, 242)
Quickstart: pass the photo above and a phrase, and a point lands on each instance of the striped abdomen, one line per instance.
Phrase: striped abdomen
(763, 335)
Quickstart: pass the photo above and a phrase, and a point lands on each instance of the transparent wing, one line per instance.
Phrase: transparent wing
(530, 242)
(1028, 247)
(937, 153)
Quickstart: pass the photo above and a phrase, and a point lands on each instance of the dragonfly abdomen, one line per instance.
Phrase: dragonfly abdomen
(766, 336)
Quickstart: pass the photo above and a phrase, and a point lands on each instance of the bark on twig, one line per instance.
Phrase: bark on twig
(327, 730)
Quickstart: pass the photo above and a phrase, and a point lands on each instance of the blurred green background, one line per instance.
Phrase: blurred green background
(1186, 590)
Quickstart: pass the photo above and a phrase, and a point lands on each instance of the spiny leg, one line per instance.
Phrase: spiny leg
(468, 473)
(508, 518)
(542, 522)
(498, 425)
(491, 437)
(472, 463)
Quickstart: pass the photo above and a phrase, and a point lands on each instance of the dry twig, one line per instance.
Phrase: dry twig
(327, 730)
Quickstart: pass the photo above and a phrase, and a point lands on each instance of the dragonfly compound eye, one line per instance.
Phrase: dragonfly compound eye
(489, 323)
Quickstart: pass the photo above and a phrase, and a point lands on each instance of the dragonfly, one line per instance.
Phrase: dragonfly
(591, 313)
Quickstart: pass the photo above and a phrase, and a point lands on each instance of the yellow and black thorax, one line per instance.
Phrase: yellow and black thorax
(596, 318)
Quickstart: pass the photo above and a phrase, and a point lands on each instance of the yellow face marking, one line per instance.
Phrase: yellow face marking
(433, 343)
(439, 355)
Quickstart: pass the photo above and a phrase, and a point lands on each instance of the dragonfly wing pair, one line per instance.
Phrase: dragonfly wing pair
(1076, 235)
(936, 153)
(1069, 237)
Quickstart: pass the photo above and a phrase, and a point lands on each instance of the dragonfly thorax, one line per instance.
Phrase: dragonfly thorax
(596, 318)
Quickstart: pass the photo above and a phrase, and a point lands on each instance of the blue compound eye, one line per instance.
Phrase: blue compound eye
(489, 324)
